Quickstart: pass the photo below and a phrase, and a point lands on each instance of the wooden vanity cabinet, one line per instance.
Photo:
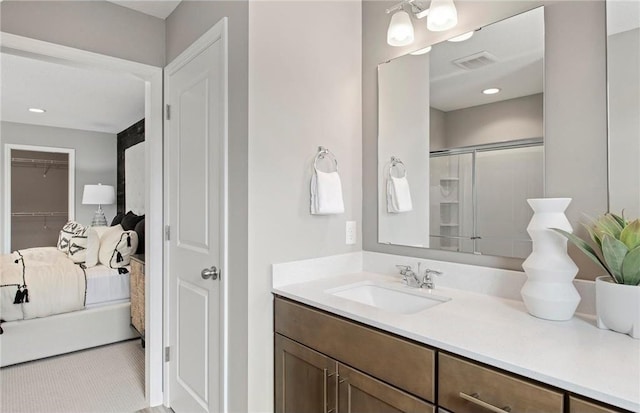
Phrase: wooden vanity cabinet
(309, 382)
(399, 362)
(466, 387)
(302, 378)
(327, 364)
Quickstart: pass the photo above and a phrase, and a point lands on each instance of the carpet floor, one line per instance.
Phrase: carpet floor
(104, 379)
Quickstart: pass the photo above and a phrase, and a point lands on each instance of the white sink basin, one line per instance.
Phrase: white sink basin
(397, 300)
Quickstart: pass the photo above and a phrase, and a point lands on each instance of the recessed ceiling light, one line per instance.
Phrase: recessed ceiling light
(491, 91)
(462, 37)
(37, 110)
(421, 51)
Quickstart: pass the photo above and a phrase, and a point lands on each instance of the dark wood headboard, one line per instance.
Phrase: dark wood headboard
(133, 135)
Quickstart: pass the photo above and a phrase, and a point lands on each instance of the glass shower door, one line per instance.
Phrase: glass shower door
(505, 179)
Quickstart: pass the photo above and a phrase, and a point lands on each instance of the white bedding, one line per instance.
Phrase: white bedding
(54, 283)
(105, 284)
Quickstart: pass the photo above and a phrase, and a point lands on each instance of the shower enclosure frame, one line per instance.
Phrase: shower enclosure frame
(473, 150)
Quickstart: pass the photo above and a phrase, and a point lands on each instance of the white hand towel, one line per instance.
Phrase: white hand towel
(398, 195)
(326, 193)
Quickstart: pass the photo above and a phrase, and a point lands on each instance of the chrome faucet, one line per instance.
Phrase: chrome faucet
(428, 280)
(409, 276)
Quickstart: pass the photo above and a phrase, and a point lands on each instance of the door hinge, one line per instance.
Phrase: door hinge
(168, 110)
(167, 354)
(167, 232)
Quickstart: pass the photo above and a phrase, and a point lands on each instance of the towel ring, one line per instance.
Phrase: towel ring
(322, 152)
(397, 163)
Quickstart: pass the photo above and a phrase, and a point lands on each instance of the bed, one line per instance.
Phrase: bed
(89, 305)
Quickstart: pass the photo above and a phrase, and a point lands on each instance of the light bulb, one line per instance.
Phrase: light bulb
(400, 31)
(491, 91)
(442, 15)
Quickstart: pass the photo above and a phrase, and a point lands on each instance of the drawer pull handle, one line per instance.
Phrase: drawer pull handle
(475, 399)
(326, 376)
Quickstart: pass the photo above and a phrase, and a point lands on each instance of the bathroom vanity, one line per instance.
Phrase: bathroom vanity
(470, 353)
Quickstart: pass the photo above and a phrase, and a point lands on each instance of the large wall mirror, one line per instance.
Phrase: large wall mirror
(456, 160)
(623, 77)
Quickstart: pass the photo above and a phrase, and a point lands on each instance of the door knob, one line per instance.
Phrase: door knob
(210, 273)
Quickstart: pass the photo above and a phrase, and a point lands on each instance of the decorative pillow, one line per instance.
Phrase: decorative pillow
(79, 245)
(116, 248)
(130, 221)
(96, 234)
(102, 230)
(64, 239)
(93, 243)
(117, 219)
(140, 231)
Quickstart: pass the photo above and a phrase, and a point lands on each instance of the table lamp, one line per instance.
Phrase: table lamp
(98, 195)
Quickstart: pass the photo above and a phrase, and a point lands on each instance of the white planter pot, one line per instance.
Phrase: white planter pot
(618, 306)
(549, 292)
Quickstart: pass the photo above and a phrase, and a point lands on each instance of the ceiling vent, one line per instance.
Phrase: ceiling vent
(476, 61)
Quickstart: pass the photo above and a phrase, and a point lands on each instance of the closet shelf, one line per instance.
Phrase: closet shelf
(451, 179)
(39, 163)
(449, 202)
(449, 225)
(39, 214)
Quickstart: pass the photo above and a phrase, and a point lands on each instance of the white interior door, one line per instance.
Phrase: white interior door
(196, 92)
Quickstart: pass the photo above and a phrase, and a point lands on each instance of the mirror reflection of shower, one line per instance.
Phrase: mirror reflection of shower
(476, 194)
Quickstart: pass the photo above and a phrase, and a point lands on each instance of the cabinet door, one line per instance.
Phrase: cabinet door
(305, 379)
(359, 393)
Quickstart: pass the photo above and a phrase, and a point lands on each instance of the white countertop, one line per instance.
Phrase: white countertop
(573, 355)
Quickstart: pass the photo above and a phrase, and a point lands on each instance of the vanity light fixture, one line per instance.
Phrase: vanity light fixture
(419, 52)
(37, 110)
(400, 32)
(491, 91)
(442, 15)
(462, 37)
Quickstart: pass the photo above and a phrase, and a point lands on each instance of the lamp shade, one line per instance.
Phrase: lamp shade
(98, 195)
(400, 32)
(442, 15)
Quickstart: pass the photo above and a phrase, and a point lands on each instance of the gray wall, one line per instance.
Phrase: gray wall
(305, 91)
(575, 110)
(518, 118)
(95, 154)
(187, 23)
(97, 26)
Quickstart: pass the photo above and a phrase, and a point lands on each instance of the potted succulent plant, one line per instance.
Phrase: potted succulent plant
(616, 248)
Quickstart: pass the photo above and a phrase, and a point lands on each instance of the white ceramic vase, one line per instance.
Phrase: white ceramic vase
(618, 306)
(549, 292)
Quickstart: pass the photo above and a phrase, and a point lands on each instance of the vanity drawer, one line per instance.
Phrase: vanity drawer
(393, 360)
(577, 405)
(465, 387)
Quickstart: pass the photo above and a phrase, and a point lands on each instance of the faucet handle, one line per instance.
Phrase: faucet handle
(404, 269)
(434, 272)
